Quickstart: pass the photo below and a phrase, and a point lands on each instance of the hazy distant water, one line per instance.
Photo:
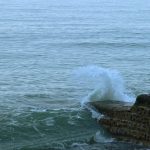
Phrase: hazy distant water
(41, 43)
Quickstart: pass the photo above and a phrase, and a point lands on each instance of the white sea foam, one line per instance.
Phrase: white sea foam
(102, 84)
(99, 137)
(95, 113)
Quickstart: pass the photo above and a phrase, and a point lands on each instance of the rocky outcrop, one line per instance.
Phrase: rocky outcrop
(126, 120)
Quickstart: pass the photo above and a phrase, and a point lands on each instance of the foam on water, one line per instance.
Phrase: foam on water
(102, 84)
(99, 137)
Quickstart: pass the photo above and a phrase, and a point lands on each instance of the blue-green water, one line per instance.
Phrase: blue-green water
(42, 45)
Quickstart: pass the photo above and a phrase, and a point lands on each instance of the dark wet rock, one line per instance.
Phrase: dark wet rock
(143, 99)
(126, 120)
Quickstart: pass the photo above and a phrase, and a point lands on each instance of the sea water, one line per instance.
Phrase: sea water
(56, 55)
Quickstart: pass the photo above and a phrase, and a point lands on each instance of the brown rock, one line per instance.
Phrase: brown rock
(143, 100)
(125, 119)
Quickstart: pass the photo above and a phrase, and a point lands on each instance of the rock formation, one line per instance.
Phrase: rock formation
(126, 121)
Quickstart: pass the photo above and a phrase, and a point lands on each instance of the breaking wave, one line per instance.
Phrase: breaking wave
(102, 84)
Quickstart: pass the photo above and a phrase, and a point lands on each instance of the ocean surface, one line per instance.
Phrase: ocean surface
(56, 55)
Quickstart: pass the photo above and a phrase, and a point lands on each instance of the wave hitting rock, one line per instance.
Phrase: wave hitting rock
(126, 121)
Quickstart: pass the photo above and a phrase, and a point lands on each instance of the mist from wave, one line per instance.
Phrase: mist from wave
(102, 84)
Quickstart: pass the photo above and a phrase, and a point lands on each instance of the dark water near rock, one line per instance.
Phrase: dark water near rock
(42, 42)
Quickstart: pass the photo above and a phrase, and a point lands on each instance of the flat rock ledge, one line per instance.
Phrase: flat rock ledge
(126, 121)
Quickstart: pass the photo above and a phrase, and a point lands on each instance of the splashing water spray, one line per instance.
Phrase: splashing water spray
(102, 84)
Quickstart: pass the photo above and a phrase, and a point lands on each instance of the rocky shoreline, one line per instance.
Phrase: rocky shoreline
(126, 121)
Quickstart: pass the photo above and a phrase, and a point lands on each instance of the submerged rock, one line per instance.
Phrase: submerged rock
(126, 120)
